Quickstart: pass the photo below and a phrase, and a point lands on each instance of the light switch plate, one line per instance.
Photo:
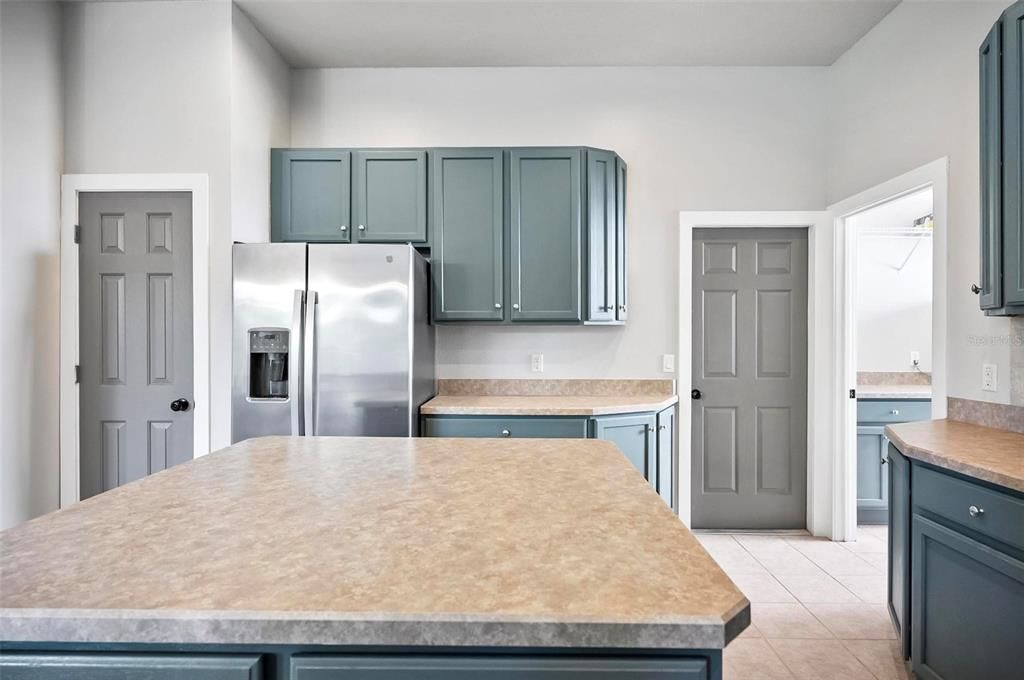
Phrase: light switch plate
(537, 363)
(989, 378)
(668, 363)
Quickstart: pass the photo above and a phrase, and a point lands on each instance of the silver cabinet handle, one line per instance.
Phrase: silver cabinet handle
(622, 308)
(362, 227)
(515, 305)
(506, 433)
(662, 427)
(343, 227)
(895, 412)
(975, 511)
(497, 305)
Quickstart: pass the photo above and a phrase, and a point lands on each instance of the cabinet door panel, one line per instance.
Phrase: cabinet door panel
(634, 435)
(310, 198)
(467, 218)
(600, 236)
(545, 228)
(621, 277)
(991, 170)
(872, 474)
(899, 547)
(667, 455)
(968, 607)
(102, 666)
(390, 196)
(1013, 154)
(507, 426)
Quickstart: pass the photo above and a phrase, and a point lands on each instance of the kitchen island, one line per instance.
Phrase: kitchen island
(317, 558)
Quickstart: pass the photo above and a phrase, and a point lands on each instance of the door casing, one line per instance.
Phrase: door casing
(71, 185)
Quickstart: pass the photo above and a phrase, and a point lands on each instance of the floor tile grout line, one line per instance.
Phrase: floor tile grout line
(787, 589)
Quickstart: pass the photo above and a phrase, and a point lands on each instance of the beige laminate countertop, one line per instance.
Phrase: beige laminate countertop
(545, 405)
(995, 456)
(373, 541)
(894, 391)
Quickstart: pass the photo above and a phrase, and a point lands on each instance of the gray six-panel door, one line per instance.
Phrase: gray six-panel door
(467, 219)
(749, 460)
(135, 335)
(545, 224)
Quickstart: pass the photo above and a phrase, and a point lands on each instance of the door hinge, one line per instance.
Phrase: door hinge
(853, 394)
(78, 374)
(78, 234)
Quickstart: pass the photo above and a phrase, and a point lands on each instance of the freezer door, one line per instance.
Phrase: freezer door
(359, 384)
(268, 303)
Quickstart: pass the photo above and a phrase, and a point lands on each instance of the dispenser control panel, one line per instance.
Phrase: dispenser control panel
(268, 341)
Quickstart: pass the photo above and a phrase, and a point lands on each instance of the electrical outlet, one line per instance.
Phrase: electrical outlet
(537, 363)
(915, 359)
(989, 379)
(668, 363)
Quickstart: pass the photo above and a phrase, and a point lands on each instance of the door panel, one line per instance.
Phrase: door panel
(467, 191)
(545, 234)
(135, 344)
(991, 171)
(1013, 153)
(311, 195)
(872, 474)
(390, 196)
(750, 365)
(601, 236)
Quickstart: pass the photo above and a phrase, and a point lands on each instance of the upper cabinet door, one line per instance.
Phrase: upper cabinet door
(310, 195)
(621, 282)
(545, 190)
(991, 296)
(601, 236)
(389, 196)
(1013, 154)
(467, 219)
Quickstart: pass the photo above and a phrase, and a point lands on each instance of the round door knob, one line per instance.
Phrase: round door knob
(695, 394)
(975, 511)
(506, 433)
(179, 405)
(975, 289)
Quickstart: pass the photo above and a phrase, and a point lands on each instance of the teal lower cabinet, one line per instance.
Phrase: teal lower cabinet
(872, 469)
(635, 437)
(964, 554)
(504, 426)
(666, 422)
(122, 666)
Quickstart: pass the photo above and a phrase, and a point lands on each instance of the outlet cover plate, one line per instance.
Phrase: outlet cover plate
(989, 378)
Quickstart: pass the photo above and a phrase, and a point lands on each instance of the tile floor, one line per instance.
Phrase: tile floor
(817, 607)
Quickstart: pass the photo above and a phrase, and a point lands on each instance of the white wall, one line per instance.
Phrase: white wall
(695, 139)
(260, 119)
(905, 95)
(32, 156)
(147, 90)
(894, 306)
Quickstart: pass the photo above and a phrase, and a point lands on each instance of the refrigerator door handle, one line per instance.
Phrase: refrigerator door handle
(309, 364)
(295, 363)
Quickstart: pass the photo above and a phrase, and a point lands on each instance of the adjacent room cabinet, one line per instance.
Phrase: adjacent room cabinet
(872, 449)
(1001, 81)
(521, 235)
(956, 572)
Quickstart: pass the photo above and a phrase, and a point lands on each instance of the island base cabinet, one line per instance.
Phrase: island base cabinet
(899, 547)
(968, 607)
(469, 668)
(78, 666)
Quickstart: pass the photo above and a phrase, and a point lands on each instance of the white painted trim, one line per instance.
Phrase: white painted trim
(71, 185)
(935, 175)
(820, 390)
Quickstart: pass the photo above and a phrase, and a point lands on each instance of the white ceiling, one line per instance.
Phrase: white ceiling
(395, 33)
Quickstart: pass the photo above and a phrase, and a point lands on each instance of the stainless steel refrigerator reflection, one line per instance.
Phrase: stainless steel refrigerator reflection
(330, 339)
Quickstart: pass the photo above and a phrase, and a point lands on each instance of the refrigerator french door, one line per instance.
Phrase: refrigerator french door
(330, 339)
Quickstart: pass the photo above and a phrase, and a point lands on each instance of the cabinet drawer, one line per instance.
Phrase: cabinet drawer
(78, 666)
(1000, 516)
(893, 411)
(472, 426)
(494, 668)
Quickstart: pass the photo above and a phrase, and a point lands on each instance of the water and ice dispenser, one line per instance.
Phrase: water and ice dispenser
(268, 363)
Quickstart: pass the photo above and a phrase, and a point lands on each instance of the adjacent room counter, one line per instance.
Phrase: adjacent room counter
(894, 391)
(544, 405)
(371, 541)
(994, 456)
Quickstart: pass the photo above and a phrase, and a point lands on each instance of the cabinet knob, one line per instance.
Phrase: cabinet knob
(975, 511)
(975, 289)
(662, 427)
(343, 227)
(895, 412)
(506, 433)
(362, 227)
(515, 305)
(622, 308)
(884, 461)
(497, 305)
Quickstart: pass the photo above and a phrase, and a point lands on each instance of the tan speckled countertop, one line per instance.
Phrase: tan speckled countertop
(894, 391)
(373, 541)
(995, 456)
(545, 405)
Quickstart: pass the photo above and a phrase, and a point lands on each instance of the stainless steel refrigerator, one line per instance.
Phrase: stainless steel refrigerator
(330, 339)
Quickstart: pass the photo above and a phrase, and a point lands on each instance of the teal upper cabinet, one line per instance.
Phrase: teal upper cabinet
(1001, 285)
(621, 308)
(310, 195)
(601, 233)
(389, 196)
(467, 218)
(545, 229)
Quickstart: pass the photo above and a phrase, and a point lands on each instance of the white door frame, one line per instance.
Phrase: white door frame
(71, 185)
(820, 390)
(932, 175)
